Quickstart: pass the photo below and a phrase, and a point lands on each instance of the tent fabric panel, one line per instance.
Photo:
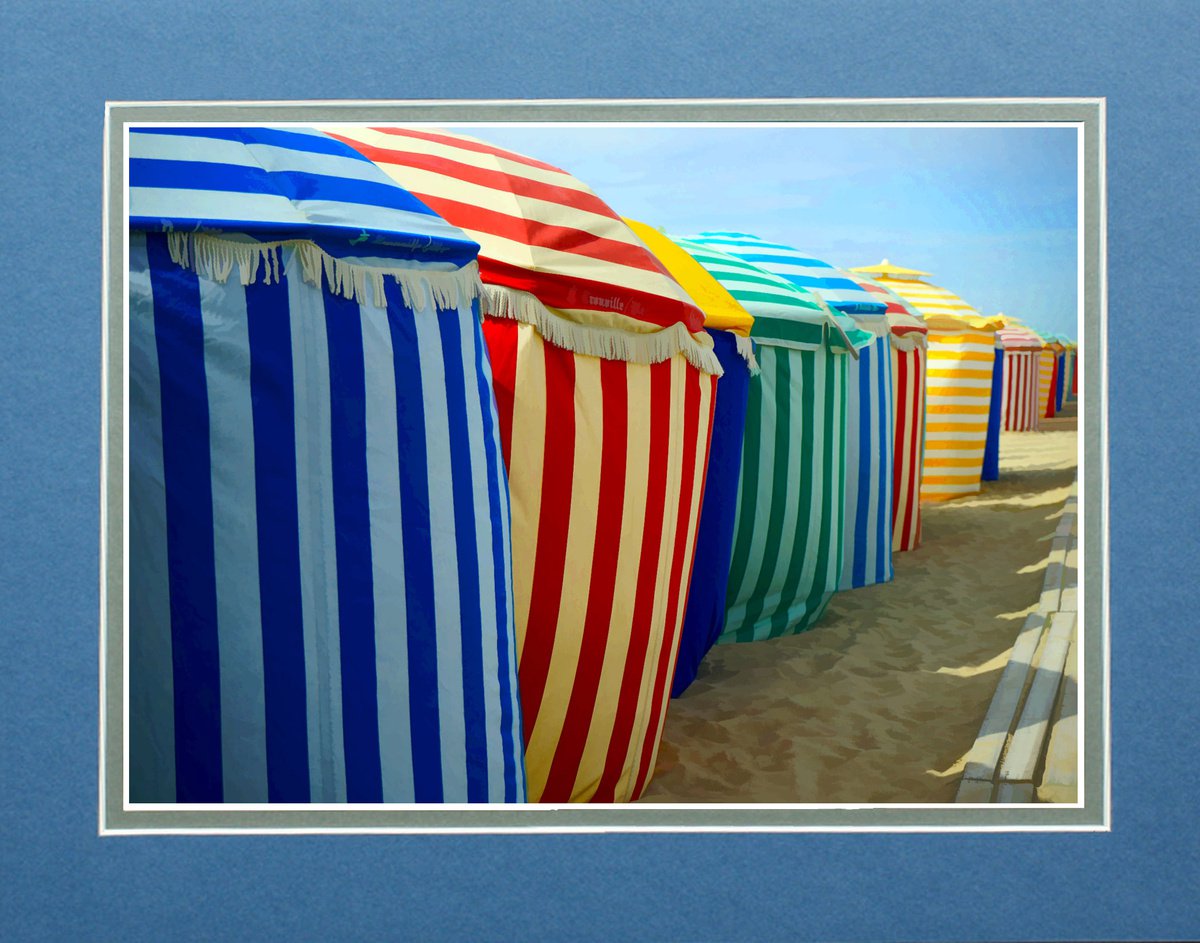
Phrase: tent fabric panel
(606, 465)
(958, 404)
(704, 616)
(908, 384)
(1020, 391)
(991, 454)
(869, 468)
(788, 535)
(1046, 368)
(1061, 382)
(307, 547)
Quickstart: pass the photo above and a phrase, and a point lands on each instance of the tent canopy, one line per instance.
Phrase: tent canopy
(721, 310)
(784, 314)
(939, 306)
(1013, 335)
(233, 196)
(836, 287)
(552, 253)
(887, 268)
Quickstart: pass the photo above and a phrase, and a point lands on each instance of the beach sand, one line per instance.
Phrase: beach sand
(882, 699)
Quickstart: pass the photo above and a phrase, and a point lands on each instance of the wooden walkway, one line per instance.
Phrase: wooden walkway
(1027, 748)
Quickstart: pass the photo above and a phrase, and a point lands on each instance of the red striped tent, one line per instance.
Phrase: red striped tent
(909, 355)
(1019, 399)
(605, 385)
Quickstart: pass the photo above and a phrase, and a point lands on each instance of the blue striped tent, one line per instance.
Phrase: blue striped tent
(319, 564)
(869, 455)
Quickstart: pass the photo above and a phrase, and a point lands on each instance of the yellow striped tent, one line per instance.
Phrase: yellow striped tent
(961, 356)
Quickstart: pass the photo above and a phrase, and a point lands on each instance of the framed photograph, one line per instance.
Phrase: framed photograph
(604, 465)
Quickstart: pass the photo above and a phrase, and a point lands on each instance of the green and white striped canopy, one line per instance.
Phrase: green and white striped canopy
(784, 314)
(788, 530)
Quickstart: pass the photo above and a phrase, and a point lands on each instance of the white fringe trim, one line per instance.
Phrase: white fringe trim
(608, 344)
(745, 347)
(910, 341)
(214, 257)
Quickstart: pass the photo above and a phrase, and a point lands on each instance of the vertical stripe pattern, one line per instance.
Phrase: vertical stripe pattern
(334, 517)
(1046, 364)
(991, 451)
(1020, 390)
(788, 535)
(704, 615)
(908, 383)
(869, 467)
(606, 468)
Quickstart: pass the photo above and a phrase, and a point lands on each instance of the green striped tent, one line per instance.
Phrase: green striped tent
(788, 539)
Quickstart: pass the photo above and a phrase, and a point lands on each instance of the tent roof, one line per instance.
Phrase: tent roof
(721, 310)
(552, 253)
(836, 287)
(1013, 335)
(273, 185)
(887, 268)
(940, 307)
(784, 313)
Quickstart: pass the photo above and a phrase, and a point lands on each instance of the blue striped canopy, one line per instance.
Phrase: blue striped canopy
(276, 185)
(838, 290)
(319, 563)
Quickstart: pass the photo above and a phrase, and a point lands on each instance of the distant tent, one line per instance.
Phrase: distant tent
(788, 537)
(1019, 399)
(962, 357)
(604, 383)
(991, 450)
(867, 553)
(1065, 369)
(1050, 369)
(319, 556)
(729, 325)
(909, 361)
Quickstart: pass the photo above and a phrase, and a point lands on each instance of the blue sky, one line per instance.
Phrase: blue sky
(991, 212)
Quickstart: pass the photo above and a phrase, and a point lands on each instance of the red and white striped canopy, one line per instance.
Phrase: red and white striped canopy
(553, 253)
(1016, 336)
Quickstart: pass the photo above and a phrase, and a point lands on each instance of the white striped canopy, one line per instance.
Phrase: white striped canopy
(959, 383)
(837, 289)
(319, 564)
(552, 253)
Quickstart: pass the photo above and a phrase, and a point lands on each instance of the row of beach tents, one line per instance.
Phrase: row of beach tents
(444, 477)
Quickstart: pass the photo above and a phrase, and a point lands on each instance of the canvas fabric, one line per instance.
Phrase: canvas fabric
(606, 463)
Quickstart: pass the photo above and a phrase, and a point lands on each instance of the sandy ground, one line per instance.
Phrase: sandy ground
(880, 701)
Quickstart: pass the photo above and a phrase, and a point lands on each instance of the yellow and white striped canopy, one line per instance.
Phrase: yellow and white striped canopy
(961, 352)
(931, 300)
